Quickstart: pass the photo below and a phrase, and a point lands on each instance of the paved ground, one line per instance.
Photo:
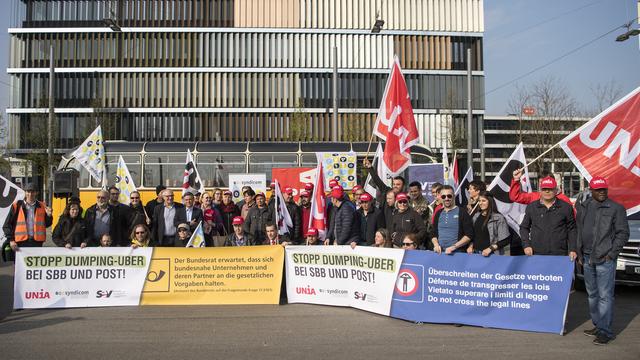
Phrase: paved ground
(289, 332)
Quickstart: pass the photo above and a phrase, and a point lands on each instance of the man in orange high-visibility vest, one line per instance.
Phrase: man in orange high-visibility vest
(28, 220)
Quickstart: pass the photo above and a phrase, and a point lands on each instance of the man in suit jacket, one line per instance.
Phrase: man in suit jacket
(165, 219)
(189, 214)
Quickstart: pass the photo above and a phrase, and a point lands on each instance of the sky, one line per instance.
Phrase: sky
(522, 35)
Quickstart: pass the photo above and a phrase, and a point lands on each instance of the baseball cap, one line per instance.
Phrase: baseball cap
(261, 194)
(337, 192)
(227, 192)
(288, 190)
(312, 232)
(304, 193)
(308, 186)
(238, 220)
(183, 226)
(333, 183)
(366, 197)
(598, 182)
(272, 185)
(548, 183)
(401, 197)
(356, 188)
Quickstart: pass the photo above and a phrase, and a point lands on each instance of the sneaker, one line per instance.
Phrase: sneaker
(591, 332)
(602, 339)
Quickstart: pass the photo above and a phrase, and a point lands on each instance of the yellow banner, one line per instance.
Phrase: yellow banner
(203, 276)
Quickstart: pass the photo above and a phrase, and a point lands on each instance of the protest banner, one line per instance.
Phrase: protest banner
(294, 178)
(205, 276)
(362, 278)
(510, 292)
(258, 183)
(340, 167)
(61, 278)
(426, 175)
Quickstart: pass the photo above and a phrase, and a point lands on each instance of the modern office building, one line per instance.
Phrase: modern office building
(238, 70)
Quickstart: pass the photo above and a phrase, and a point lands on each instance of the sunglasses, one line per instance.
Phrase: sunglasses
(140, 232)
(447, 196)
(407, 244)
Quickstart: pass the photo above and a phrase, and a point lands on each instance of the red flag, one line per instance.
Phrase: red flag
(455, 170)
(609, 146)
(395, 122)
(318, 218)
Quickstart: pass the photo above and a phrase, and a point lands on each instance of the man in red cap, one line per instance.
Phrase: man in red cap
(603, 231)
(357, 190)
(548, 226)
(516, 195)
(239, 237)
(369, 216)
(343, 226)
(406, 221)
(312, 237)
(305, 210)
(228, 210)
(295, 234)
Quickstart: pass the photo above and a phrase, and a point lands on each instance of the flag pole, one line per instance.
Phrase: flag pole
(541, 155)
(366, 156)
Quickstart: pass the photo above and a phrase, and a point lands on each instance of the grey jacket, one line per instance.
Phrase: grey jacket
(498, 231)
(610, 230)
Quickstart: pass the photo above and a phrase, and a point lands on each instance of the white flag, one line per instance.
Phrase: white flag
(197, 238)
(381, 169)
(9, 193)
(283, 218)
(462, 191)
(317, 215)
(445, 165)
(500, 185)
(191, 182)
(124, 182)
(91, 154)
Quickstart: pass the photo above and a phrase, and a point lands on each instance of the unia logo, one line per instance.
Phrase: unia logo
(306, 290)
(37, 294)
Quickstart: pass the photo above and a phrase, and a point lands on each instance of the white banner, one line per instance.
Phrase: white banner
(258, 183)
(62, 278)
(363, 278)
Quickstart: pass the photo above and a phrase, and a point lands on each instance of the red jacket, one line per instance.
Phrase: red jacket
(516, 195)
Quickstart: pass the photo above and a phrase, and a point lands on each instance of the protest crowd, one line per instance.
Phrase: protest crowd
(592, 232)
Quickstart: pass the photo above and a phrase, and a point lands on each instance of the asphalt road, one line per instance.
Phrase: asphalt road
(290, 332)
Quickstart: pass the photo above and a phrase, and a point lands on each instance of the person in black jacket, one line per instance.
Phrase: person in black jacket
(549, 226)
(136, 213)
(407, 221)
(189, 213)
(166, 218)
(452, 226)
(70, 230)
(257, 218)
(343, 227)
(295, 234)
(228, 210)
(121, 235)
(100, 219)
(150, 207)
(369, 216)
(239, 237)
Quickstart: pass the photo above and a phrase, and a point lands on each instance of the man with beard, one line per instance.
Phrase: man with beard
(100, 219)
(305, 209)
(136, 214)
(452, 227)
(369, 216)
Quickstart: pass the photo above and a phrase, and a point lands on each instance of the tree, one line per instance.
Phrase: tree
(605, 95)
(553, 108)
(299, 125)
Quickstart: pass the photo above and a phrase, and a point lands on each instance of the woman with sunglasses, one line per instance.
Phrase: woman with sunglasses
(184, 234)
(490, 229)
(406, 221)
(140, 236)
(410, 242)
